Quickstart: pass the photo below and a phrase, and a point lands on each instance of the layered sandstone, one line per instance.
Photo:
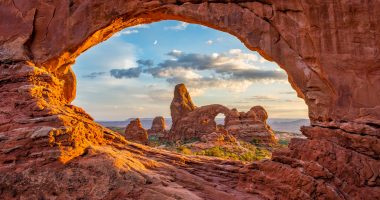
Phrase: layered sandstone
(135, 132)
(53, 150)
(200, 121)
(250, 126)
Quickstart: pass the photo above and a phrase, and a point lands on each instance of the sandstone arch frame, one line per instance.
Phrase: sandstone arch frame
(329, 49)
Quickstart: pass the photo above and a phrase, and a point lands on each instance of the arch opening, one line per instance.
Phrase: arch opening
(220, 119)
(333, 70)
(121, 79)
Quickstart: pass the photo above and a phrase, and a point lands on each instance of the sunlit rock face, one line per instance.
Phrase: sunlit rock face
(135, 132)
(181, 103)
(250, 126)
(195, 122)
(158, 127)
(329, 49)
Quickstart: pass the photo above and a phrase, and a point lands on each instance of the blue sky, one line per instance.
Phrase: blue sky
(133, 73)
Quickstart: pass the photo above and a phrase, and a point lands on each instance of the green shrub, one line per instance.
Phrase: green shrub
(283, 142)
(191, 140)
(117, 129)
(256, 141)
(153, 138)
(214, 151)
(221, 152)
(248, 145)
(184, 150)
(232, 155)
(248, 156)
(262, 154)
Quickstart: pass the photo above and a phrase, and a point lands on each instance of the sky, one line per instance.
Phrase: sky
(133, 73)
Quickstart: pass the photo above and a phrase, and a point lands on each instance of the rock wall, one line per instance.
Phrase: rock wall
(329, 49)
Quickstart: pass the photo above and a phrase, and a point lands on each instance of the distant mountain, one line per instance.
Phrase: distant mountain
(288, 125)
(285, 125)
(146, 123)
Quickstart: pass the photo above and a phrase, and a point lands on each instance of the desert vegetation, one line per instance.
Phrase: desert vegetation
(242, 150)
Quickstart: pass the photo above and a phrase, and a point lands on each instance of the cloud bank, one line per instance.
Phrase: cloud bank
(234, 70)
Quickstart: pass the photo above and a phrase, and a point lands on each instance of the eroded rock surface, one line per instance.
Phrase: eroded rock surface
(135, 132)
(158, 127)
(181, 103)
(53, 150)
(250, 126)
(218, 137)
(200, 121)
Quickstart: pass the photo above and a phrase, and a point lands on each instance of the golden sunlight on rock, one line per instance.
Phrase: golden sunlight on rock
(51, 149)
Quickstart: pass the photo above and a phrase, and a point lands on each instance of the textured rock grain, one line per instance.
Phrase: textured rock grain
(158, 127)
(200, 121)
(329, 49)
(135, 132)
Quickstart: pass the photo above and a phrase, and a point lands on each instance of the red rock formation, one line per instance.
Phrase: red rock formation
(250, 126)
(181, 103)
(158, 126)
(200, 121)
(219, 137)
(135, 132)
(196, 123)
(53, 150)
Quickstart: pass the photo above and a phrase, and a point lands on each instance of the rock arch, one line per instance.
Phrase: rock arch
(330, 51)
(198, 122)
(52, 35)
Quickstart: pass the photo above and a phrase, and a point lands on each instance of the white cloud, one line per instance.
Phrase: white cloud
(235, 51)
(141, 26)
(175, 52)
(155, 42)
(131, 30)
(125, 32)
(233, 70)
(200, 86)
(237, 59)
(179, 27)
(262, 60)
(181, 73)
(128, 32)
(209, 42)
